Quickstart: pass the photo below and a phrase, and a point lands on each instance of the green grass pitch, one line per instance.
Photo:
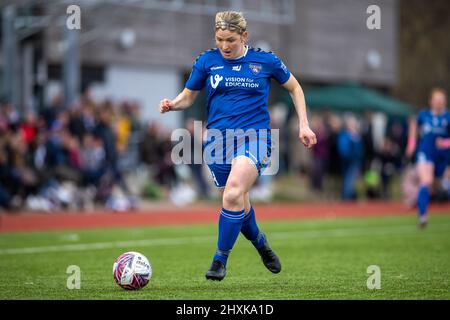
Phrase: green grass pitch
(322, 259)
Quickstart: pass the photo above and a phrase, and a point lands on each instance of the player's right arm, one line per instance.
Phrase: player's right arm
(193, 86)
(412, 137)
(183, 101)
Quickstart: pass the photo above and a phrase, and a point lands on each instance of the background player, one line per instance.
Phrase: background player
(433, 128)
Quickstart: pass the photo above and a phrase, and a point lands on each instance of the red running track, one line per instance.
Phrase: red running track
(170, 215)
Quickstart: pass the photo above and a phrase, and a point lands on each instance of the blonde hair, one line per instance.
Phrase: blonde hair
(438, 90)
(231, 20)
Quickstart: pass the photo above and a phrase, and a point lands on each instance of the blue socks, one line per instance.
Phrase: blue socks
(423, 200)
(230, 223)
(251, 231)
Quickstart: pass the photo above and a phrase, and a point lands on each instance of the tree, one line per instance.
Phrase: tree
(424, 49)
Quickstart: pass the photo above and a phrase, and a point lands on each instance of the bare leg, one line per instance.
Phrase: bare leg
(242, 176)
(241, 179)
(426, 177)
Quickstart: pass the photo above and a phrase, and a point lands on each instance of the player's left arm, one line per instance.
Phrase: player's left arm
(443, 143)
(306, 135)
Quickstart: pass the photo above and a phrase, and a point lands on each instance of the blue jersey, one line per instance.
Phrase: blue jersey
(237, 89)
(431, 127)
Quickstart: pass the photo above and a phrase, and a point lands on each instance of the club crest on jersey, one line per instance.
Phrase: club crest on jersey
(256, 68)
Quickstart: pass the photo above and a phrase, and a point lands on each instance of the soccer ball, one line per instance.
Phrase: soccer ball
(132, 270)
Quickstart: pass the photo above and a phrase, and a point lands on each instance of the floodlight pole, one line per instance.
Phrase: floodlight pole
(11, 71)
(71, 67)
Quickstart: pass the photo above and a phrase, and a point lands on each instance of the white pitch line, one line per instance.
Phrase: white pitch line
(97, 246)
(330, 233)
(356, 232)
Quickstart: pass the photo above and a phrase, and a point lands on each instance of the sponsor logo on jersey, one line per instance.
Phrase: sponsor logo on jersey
(216, 68)
(236, 68)
(215, 80)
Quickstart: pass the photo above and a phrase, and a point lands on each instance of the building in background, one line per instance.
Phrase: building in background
(144, 49)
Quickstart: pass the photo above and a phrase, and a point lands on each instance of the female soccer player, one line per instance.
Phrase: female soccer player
(433, 153)
(237, 79)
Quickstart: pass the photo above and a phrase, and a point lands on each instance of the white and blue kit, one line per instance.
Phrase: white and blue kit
(431, 127)
(237, 98)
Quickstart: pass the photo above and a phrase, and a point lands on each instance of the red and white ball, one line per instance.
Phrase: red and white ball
(132, 270)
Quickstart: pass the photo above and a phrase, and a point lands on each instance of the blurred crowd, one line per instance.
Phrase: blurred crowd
(363, 159)
(80, 157)
(102, 154)
(349, 152)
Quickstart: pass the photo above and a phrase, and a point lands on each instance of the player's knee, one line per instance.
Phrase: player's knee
(233, 196)
(426, 181)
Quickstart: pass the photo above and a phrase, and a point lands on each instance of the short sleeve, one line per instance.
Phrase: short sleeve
(198, 75)
(448, 125)
(420, 118)
(280, 72)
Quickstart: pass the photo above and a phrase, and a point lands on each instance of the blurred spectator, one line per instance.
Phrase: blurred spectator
(279, 115)
(351, 151)
(151, 144)
(104, 131)
(397, 133)
(11, 115)
(367, 139)
(88, 117)
(5, 196)
(133, 111)
(29, 127)
(446, 184)
(390, 154)
(113, 175)
(76, 124)
(155, 151)
(300, 160)
(321, 153)
(50, 114)
(123, 127)
(92, 159)
(333, 125)
(197, 168)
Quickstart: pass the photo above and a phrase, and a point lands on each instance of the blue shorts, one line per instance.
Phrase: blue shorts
(219, 153)
(440, 159)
